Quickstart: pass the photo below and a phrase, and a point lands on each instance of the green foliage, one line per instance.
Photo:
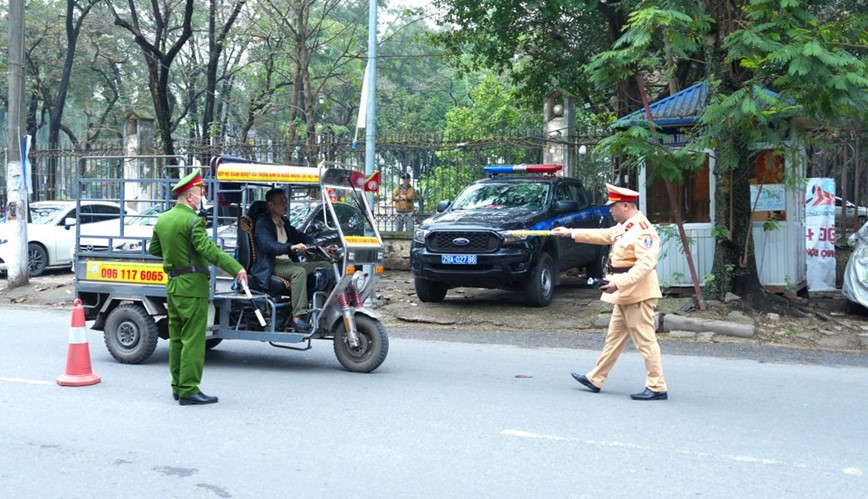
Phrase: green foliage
(541, 46)
(709, 285)
(653, 38)
(720, 231)
(789, 286)
(806, 57)
(493, 108)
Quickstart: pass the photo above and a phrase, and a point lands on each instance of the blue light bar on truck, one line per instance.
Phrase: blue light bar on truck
(522, 169)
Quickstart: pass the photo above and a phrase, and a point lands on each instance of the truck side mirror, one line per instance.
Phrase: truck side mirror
(442, 205)
(564, 206)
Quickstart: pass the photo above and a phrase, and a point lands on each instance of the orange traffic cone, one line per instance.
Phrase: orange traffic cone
(78, 370)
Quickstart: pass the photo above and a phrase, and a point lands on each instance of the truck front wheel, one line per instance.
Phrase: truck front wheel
(131, 334)
(430, 291)
(597, 268)
(541, 286)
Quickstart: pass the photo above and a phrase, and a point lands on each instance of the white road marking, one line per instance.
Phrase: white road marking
(527, 434)
(601, 443)
(27, 381)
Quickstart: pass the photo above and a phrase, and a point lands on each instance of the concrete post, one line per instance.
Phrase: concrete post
(559, 129)
(138, 141)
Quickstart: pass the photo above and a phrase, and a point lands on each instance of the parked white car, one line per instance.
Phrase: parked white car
(128, 236)
(136, 231)
(860, 211)
(51, 232)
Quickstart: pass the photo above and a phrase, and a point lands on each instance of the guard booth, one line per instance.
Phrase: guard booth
(780, 253)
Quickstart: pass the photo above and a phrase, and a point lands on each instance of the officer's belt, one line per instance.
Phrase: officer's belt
(189, 269)
(618, 270)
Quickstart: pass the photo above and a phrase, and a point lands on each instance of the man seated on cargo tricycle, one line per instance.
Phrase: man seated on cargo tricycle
(279, 244)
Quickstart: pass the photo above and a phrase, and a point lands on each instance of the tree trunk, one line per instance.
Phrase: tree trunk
(159, 62)
(216, 43)
(734, 266)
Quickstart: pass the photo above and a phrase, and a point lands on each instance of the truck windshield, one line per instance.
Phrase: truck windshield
(531, 195)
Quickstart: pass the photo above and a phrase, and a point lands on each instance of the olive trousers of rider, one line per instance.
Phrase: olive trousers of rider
(296, 273)
(270, 261)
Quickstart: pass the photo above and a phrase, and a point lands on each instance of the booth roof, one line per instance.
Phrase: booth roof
(679, 109)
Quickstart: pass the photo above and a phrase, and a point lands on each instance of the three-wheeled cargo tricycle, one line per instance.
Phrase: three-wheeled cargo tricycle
(123, 287)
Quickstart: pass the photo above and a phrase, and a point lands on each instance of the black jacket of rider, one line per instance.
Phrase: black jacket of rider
(268, 248)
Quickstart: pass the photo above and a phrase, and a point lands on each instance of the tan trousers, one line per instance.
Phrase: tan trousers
(632, 322)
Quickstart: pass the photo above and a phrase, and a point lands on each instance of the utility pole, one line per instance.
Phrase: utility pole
(16, 185)
(371, 107)
(371, 116)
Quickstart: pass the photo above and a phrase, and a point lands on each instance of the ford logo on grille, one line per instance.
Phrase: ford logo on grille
(461, 241)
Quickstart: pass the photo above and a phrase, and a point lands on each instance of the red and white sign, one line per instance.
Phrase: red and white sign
(820, 234)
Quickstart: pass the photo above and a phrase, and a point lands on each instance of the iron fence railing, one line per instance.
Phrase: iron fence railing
(439, 166)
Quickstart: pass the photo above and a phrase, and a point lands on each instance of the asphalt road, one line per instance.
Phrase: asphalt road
(438, 419)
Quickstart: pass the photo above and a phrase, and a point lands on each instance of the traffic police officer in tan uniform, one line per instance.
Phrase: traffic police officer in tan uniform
(632, 288)
(181, 240)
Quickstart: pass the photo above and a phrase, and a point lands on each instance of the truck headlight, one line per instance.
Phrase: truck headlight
(420, 235)
(510, 239)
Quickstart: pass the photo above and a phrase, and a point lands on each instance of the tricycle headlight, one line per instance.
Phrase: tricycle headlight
(360, 280)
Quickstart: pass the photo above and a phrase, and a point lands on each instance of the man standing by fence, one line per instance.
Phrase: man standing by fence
(403, 196)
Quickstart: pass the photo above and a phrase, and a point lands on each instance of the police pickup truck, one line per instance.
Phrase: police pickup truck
(470, 241)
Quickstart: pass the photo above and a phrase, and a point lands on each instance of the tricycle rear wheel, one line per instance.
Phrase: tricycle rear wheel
(131, 334)
(373, 345)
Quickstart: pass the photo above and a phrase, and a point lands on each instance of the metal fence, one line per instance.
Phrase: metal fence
(439, 166)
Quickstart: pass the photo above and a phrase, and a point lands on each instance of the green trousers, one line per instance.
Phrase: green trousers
(297, 273)
(188, 317)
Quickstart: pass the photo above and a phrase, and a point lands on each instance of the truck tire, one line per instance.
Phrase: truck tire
(430, 291)
(131, 334)
(541, 286)
(373, 345)
(597, 268)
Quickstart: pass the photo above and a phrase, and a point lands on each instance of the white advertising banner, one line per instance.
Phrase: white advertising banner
(820, 234)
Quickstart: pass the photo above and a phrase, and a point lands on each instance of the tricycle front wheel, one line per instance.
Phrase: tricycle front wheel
(373, 345)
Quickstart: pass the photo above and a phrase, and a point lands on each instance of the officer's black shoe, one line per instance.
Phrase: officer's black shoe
(176, 396)
(585, 381)
(197, 399)
(650, 395)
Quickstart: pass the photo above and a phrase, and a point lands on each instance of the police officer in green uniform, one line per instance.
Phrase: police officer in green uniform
(181, 240)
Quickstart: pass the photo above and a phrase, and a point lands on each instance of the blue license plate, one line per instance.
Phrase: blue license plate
(458, 259)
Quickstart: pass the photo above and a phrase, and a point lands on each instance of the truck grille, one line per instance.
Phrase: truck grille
(478, 242)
